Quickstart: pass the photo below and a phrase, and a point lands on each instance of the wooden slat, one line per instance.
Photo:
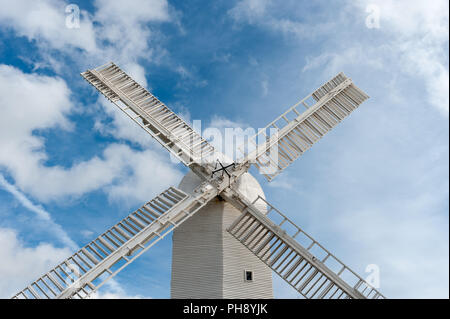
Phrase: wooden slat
(92, 260)
(294, 262)
(150, 113)
(335, 100)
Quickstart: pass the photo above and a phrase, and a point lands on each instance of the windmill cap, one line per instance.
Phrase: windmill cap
(247, 185)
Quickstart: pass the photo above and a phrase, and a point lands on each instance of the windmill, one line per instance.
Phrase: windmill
(227, 238)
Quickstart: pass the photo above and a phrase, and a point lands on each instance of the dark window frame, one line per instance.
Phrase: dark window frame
(248, 275)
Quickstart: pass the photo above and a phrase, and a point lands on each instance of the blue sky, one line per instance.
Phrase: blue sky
(373, 191)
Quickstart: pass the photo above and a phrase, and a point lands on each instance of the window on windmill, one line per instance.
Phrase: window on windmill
(248, 275)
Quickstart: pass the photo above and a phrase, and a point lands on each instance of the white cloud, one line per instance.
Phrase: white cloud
(415, 33)
(183, 72)
(121, 34)
(121, 126)
(53, 228)
(421, 36)
(299, 29)
(144, 174)
(46, 105)
(112, 33)
(378, 194)
(22, 264)
(135, 11)
(265, 14)
(227, 136)
(414, 253)
(44, 20)
(112, 290)
(222, 123)
(287, 182)
(265, 87)
(416, 36)
(423, 59)
(413, 17)
(86, 233)
(124, 30)
(249, 10)
(370, 197)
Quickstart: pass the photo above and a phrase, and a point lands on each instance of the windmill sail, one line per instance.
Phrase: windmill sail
(289, 251)
(297, 131)
(88, 269)
(151, 114)
(295, 256)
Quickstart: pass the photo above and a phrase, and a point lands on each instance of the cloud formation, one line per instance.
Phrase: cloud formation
(21, 263)
(125, 171)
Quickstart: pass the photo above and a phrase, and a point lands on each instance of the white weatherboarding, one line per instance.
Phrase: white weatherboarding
(227, 237)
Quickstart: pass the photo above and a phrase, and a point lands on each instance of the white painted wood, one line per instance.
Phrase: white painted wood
(151, 114)
(207, 262)
(304, 264)
(83, 273)
(296, 130)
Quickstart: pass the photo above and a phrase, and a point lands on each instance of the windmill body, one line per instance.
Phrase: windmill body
(227, 238)
(207, 262)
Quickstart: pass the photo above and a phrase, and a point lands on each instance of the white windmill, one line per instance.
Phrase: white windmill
(227, 238)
